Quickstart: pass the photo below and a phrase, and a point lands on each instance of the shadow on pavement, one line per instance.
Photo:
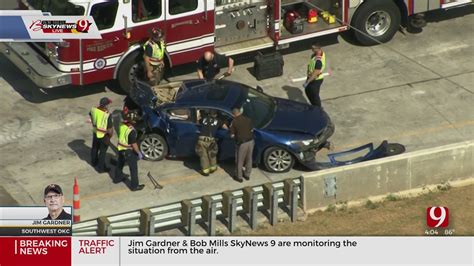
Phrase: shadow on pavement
(192, 163)
(81, 149)
(83, 152)
(295, 94)
(30, 92)
(229, 167)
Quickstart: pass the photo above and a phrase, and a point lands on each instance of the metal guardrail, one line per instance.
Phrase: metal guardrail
(187, 214)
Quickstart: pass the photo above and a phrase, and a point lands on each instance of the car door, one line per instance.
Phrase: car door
(225, 143)
(182, 131)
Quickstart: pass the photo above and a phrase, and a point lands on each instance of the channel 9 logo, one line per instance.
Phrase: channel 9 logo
(437, 217)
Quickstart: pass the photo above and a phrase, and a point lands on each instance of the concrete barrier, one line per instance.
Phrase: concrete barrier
(388, 175)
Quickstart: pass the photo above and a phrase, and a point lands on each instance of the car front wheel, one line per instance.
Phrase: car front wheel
(154, 147)
(278, 160)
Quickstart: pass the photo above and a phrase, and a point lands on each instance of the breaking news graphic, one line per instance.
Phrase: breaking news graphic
(33, 221)
(37, 251)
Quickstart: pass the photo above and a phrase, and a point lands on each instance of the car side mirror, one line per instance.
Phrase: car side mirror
(259, 89)
(154, 100)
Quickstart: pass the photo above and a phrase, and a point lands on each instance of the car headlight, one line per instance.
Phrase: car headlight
(302, 143)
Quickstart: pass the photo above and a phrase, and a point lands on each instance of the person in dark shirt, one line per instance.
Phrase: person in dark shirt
(128, 152)
(102, 131)
(241, 130)
(206, 146)
(210, 64)
(54, 200)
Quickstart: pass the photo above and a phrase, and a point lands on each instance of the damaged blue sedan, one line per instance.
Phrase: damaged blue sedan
(285, 131)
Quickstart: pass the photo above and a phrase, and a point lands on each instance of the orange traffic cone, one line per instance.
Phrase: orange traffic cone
(76, 202)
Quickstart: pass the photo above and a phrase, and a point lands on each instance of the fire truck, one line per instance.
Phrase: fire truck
(191, 27)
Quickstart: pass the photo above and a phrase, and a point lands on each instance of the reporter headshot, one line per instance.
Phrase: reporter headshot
(54, 200)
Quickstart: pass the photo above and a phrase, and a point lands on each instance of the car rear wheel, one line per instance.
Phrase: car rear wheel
(278, 160)
(154, 147)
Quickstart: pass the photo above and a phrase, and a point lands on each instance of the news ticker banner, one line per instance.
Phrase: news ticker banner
(33, 25)
(128, 251)
(32, 221)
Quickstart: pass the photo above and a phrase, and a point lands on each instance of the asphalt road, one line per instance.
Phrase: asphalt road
(416, 90)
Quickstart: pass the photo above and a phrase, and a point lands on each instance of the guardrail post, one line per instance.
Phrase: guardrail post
(147, 222)
(209, 214)
(290, 197)
(270, 202)
(229, 209)
(188, 216)
(103, 226)
(250, 206)
(302, 200)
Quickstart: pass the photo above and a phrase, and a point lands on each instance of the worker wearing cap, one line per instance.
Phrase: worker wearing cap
(316, 66)
(128, 152)
(154, 53)
(54, 200)
(102, 132)
(206, 146)
(210, 64)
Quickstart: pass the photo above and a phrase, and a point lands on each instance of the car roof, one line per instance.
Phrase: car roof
(222, 94)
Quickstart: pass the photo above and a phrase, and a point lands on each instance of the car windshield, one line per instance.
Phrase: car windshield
(57, 7)
(256, 106)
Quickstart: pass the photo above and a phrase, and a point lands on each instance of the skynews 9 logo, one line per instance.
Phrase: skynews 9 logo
(61, 26)
(437, 217)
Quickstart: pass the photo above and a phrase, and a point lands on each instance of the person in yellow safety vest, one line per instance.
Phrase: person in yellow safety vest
(102, 131)
(153, 55)
(316, 66)
(128, 152)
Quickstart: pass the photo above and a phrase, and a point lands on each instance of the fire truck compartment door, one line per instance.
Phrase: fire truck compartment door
(187, 25)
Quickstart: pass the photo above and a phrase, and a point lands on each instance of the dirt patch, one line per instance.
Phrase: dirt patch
(393, 216)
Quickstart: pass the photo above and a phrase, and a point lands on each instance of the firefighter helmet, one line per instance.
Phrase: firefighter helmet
(129, 116)
(156, 33)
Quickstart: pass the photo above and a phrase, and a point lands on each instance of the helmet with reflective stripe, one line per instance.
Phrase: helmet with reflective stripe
(156, 34)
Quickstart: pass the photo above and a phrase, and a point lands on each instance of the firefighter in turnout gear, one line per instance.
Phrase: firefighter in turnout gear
(102, 131)
(128, 152)
(153, 55)
(206, 146)
(316, 66)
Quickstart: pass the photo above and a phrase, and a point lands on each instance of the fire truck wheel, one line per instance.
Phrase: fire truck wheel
(376, 22)
(128, 71)
(154, 147)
